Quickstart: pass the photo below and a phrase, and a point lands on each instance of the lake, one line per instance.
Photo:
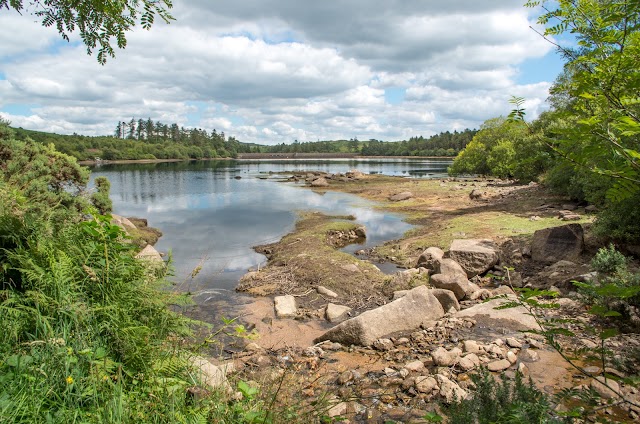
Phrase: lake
(211, 219)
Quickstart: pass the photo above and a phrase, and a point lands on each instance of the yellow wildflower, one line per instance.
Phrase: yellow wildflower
(69, 380)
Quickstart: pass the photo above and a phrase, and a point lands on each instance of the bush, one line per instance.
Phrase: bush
(100, 198)
(501, 401)
(620, 221)
(608, 260)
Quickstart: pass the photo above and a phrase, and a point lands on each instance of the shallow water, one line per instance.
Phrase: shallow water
(211, 219)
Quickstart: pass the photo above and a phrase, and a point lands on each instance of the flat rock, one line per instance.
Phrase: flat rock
(285, 306)
(405, 195)
(337, 313)
(500, 365)
(418, 307)
(517, 318)
(475, 256)
(558, 243)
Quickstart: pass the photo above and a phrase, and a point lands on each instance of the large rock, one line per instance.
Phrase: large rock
(450, 267)
(517, 318)
(475, 256)
(418, 307)
(320, 182)
(149, 253)
(430, 259)
(558, 243)
(285, 306)
(458, 284)
(405, 195)
(450, 390)
(447, 299)
(122, 222)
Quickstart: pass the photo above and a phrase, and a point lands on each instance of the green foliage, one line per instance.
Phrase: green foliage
(98, 22)
(600, 88)
(608, 260)
(619, 221)
(492, 150)
(501, 401)
(100, 198)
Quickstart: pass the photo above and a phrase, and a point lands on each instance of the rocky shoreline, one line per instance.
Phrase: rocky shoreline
(429, 327)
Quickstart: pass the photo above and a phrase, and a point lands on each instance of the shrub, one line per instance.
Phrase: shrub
(100, 198)
(501, 401)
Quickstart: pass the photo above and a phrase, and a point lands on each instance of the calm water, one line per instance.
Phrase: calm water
(209, 218)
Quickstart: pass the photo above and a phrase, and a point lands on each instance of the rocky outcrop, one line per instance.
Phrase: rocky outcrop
(417, 308)
(558, 243)
(475, 256)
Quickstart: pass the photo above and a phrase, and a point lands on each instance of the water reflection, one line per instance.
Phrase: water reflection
(211, 219)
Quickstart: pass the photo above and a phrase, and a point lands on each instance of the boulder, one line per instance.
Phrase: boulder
(469, 362)
(450, 267)
(518, 318)
(430, 259)
(447, 299)
(320, 182)
(405, 195)
(285, 306)
(558, 243)
(361, 231)
(458, 284)
(475, 256)
(416, 308)
(149, 253)
(337, 313)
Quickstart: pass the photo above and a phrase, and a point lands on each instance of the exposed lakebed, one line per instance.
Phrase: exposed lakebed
(211, 219)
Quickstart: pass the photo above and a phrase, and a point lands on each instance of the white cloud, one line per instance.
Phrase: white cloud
(277, 70)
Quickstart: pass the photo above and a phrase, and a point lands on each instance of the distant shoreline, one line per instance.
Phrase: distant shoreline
(149, 161)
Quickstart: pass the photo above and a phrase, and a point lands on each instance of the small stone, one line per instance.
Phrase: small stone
(345, 377)
(450, 390)
(383, 344)
(285, 306)
(523, 369)
(500, 365)
(425, 384)
(511, 342)
(592, 370)
(443, 358)
(337, 313)
(326, 292)
(415, 366)
(253, 347)
(529, 355)
(512, 357)
(469, 362)
(471, 346)
(337, 410)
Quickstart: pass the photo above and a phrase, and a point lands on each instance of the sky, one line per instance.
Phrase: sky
(274, 71)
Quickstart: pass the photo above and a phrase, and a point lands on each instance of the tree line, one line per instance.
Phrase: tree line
(588, 145)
